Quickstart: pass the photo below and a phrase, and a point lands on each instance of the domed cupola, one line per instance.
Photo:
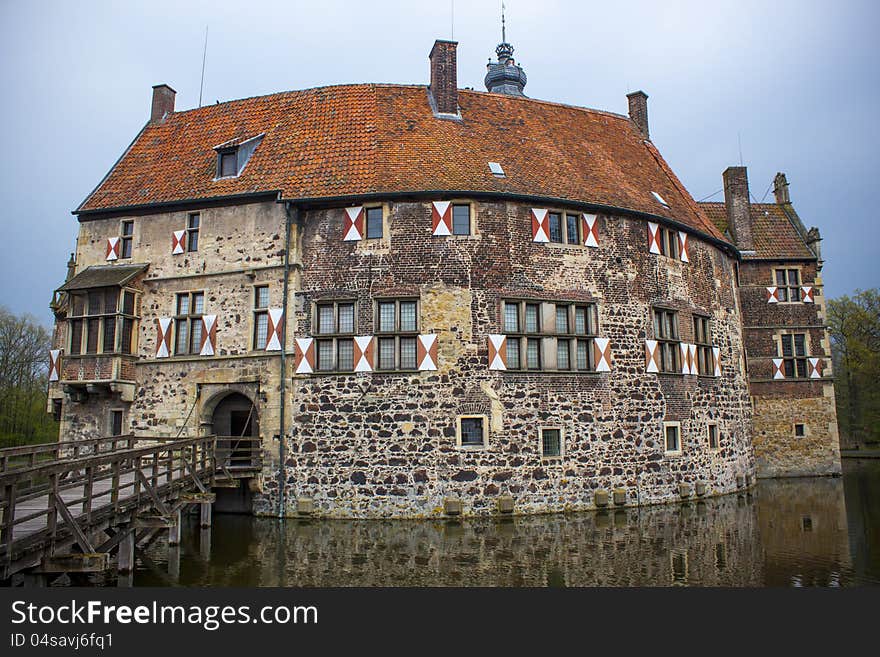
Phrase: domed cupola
(505, 76)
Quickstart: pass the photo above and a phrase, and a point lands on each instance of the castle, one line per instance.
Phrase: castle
(428, 300)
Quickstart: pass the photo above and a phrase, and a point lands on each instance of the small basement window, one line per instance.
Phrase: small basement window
(551, 443)
(471, 430)
(800, 430)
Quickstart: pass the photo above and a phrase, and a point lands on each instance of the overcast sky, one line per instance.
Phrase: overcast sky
(796, 82)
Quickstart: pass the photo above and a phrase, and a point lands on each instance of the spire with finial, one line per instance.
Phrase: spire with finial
(505, 76)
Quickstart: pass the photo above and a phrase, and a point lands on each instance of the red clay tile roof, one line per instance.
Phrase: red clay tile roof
(374, 139)
(774, 233)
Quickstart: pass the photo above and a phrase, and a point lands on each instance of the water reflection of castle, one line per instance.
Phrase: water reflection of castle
(789, 533)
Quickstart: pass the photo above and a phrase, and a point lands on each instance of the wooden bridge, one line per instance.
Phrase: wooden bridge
(68, 507)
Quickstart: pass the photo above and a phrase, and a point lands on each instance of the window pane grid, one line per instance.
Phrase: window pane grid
(550, 443)
(471, 431)
(461, 219)
(374, 223)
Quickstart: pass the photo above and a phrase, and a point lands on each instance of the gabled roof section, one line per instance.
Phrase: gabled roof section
(363, 139)
(774, 232)
(102, 276)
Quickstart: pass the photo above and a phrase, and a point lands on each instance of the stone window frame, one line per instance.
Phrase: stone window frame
(126, 239)
(110, 414)
(396, 334)
(375, 206)
(663, 340)
(468, 447)
(563, 228)
(672, 452)
(193, 230)
(788, 287)
(119, 317)
(544, 333)
(191, 318)
(259, 314)
(551, 427)
(794, 427)
(335, 337)
(473, 217)
(705, 355)
(808, 351)
(709, 426)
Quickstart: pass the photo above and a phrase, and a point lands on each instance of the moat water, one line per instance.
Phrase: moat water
(798, 532)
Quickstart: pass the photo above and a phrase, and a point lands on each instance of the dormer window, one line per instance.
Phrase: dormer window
(233, 156)
(228, 164)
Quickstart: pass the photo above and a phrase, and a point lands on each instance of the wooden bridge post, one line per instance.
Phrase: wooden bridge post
(205, 543)
(9, 495)
(174, 529)
(126, 561)
(205, 515)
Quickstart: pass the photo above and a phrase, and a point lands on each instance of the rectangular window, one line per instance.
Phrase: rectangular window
(794, 355)
(666, 334)
(551, 443)
(115, 423)
(672, 436)
(261, 316)
(398, 317)
(573, 325)
(228, 163)
(799, 430)
(472, 431)
(555, 221)
(461, 219)
(325, 355)
(703, 340)
(127, 237)
(188, 322)
(193, 221)
(668, 242)
(374, 223)
(94, 322)
(335, 321)
(788, 284)
(713, 436)
(572, 229)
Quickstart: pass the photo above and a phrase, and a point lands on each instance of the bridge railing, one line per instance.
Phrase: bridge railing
(27, 456)
(238, 453)
(72, 494)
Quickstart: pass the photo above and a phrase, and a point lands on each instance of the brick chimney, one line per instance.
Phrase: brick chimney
(736, 200)
(780, 189)
(444, 76)
(638, 111)
(163, 102)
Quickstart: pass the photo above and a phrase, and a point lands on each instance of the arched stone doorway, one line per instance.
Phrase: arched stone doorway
(235, 422)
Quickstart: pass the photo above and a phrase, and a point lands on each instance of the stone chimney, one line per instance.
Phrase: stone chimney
(444, 77)
(780, 189)
(638, 111)
(163, 102)
(736, 200)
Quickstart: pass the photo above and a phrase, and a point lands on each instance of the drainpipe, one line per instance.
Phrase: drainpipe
(283, 385)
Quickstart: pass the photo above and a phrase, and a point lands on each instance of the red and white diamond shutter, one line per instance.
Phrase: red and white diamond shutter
(590, 230)
(441, 218)
(654, 238)
(807, 294)
(363, 353)
(209, 335)
(163, 337)
(773, 294)
(602, 354)
(497, 352)
(54, 364)
(685, 357)
(304, 355)
(353, 225)
(178, 242)
(716, 359)
(274, 328)
(683, 246)
(778, 372)
(816, 365)
(652, 356)
(112, 248)
(540, 225)
(426, 352)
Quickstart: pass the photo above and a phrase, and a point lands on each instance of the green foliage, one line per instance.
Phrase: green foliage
(24, 355)
(855, 344)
